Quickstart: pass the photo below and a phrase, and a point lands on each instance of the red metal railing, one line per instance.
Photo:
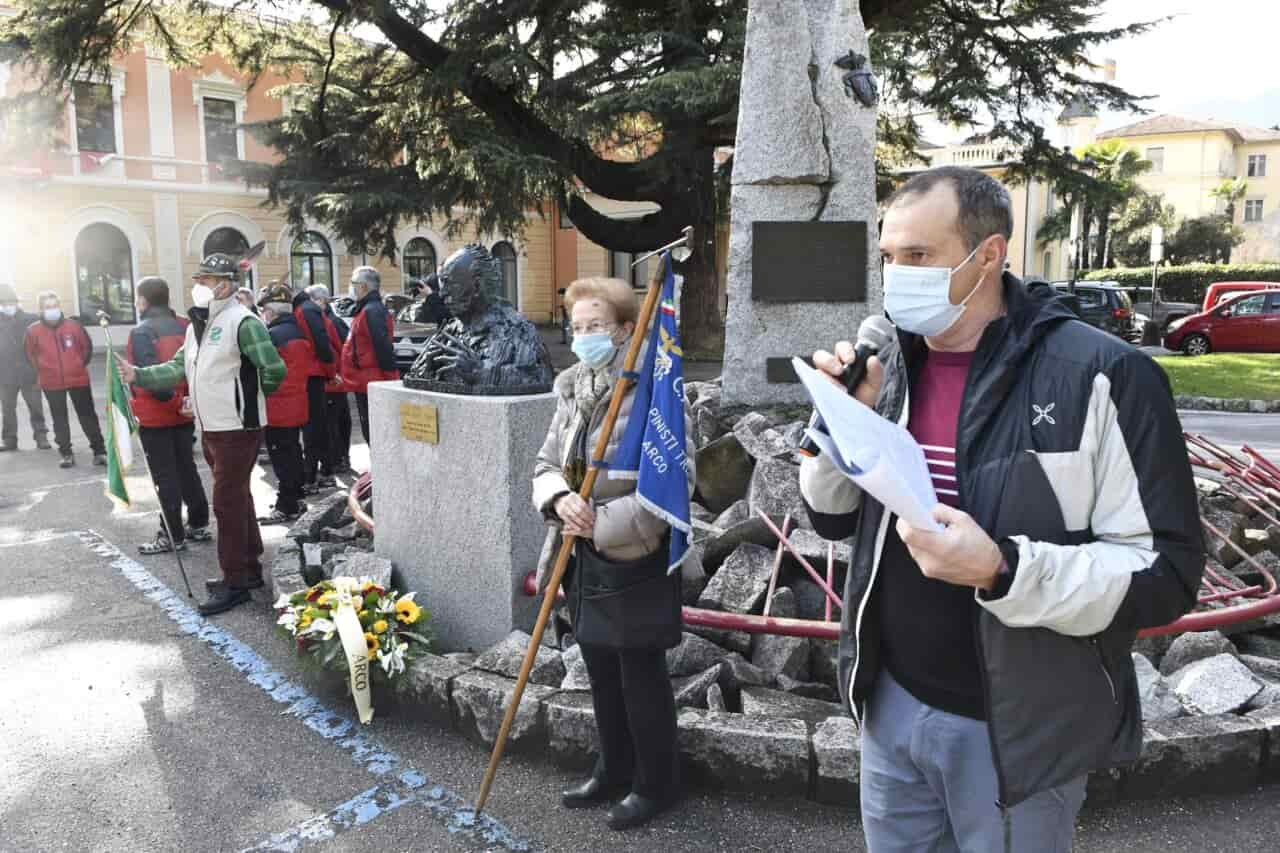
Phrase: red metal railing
(1224, 599)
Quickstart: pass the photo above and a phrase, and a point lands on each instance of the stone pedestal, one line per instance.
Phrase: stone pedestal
(805, 152)
(456, 518)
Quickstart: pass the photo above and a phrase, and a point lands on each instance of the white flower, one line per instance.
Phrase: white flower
(386, 604)
(324, 626)
(289, 620)
(393, 662)
(282, 602)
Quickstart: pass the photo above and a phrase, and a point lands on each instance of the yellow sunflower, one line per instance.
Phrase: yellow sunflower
(380, 627)
(372, 642)
(408, 612)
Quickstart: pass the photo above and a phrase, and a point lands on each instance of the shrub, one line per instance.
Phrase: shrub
(1187, 283)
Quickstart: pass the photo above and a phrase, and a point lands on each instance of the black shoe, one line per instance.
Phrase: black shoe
(67, 461)
(161, 545)
(7, 448)
(42, 444)
(326, 482)
(214, 584)
(199, 534)
(589, 793)
(635, 810)
(278, 517)
(223, 599)
(100, 459)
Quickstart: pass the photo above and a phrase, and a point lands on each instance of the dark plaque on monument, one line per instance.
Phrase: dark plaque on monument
(809, 261)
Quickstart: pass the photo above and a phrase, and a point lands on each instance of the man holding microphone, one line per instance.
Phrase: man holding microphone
(988, 665)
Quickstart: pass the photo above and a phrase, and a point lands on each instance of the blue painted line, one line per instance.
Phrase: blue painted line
(405, 787)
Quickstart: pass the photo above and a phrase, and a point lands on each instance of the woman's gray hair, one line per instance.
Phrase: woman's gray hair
(368, 276)
(280, 308)
(318, 291)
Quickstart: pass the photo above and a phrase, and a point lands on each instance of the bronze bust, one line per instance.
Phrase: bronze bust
(488, 347)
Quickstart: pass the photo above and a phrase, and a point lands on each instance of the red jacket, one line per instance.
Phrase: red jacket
(338, 332)
(287, 405)
(60, 355)
(154, 341)
(311, 322)
(368, 355)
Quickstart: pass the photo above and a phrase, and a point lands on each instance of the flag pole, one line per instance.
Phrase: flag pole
(104, 320)
(620, 388)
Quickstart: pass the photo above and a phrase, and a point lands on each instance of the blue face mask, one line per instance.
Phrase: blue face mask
(918, 299)
(595, 351)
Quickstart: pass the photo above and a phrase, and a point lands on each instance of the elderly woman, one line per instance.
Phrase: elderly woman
(620, 562)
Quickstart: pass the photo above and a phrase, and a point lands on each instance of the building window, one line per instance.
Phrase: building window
(95, 118)
(506, 255)
(1257, 165)
(231, 242)
(620, 267)
(311, 262)
(104, 274)
(1253, 210)
(220, 130)
(1156, 156)
(419, 259)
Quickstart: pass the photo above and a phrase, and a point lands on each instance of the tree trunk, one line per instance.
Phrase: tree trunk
(701, 323)
(1086, 226)
(1104, 225)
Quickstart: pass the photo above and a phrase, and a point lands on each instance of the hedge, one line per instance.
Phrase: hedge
(1187, 283)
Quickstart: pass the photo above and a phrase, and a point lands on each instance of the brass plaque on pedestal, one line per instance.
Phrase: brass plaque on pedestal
(420, 423)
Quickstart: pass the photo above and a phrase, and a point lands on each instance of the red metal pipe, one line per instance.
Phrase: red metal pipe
(817, 578)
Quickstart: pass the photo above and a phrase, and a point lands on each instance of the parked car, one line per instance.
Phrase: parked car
(410, 337)
(1165, 312)
(1246, 322)
(1218, 291)
(1104, 305)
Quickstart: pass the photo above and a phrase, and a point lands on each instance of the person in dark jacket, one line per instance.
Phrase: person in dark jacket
(288, 406)
(432, 309)
(368, 354)
(324, 366)
(60, 350)
(337, 401)
(988, 663)
(166, 426)
(17, 376)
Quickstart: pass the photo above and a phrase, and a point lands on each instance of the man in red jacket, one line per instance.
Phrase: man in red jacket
(338, 406)
(287, 406)
(165, 423)
(368, 354)
(60, 350)
(324, 367)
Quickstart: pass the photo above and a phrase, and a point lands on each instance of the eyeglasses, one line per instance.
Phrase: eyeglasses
(595, 327)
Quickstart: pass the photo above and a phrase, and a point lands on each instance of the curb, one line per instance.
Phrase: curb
(1189, 403)
(738, 752)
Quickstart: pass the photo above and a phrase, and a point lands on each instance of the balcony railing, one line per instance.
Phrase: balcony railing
(974, 155)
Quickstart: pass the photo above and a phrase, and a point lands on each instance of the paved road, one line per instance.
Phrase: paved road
(128, 724)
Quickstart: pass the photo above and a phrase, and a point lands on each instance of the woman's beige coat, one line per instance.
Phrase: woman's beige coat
(624, 530)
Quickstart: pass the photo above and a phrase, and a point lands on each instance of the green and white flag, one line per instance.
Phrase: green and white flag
(120, 429)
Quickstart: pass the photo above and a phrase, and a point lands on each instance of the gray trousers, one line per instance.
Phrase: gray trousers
(929, 785)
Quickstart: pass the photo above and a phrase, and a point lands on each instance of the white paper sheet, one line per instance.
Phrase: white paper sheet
(876, 453)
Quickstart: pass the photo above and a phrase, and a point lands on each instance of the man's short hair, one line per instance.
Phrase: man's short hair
(985, 207)
(155, 290)
(47, 294)
(368, 276)
(318, 291)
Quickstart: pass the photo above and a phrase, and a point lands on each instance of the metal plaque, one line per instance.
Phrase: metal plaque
(809, 261)
(420, 423)
(779, 371)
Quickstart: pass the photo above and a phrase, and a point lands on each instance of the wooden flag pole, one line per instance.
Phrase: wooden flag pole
(566, 545)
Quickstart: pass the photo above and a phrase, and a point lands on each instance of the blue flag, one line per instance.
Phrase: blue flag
(652, 449)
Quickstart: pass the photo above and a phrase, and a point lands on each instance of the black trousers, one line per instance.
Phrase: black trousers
(285, 450)
(82, 399)
(9, 407)
(635, 718)
(362, 407)
(339, 421)
(315, 434)
(171, 458)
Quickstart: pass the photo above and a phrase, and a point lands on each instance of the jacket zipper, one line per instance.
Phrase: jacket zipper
(62, 370)
(903, 419)
(1102, 662)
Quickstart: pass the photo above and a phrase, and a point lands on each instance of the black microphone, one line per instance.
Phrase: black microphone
(874, 333)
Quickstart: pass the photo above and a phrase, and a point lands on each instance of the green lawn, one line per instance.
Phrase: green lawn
(1250, 376)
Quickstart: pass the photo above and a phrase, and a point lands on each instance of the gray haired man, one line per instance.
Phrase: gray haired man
(368, 354)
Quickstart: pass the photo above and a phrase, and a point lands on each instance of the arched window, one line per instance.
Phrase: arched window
(231, 242)
(419, 259)
(312, 262)
(506, 255)
(104, 274)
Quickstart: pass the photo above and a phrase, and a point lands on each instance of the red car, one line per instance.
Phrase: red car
(1245, 322)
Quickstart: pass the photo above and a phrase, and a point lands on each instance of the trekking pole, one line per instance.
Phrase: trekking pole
(104, 321)
(625, 378)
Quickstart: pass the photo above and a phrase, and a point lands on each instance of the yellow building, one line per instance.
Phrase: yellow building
(1191, 157)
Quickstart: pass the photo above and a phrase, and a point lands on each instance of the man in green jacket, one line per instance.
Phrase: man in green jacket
(230, 366)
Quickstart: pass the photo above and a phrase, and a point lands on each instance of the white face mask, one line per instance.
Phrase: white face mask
(8, 310)
(918, 299)
(201, 295)
(52, 316)
(352, 295)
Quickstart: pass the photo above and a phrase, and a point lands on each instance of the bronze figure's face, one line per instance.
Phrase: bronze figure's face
(459, 283)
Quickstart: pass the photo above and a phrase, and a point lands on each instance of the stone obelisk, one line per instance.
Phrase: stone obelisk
(805, 152)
